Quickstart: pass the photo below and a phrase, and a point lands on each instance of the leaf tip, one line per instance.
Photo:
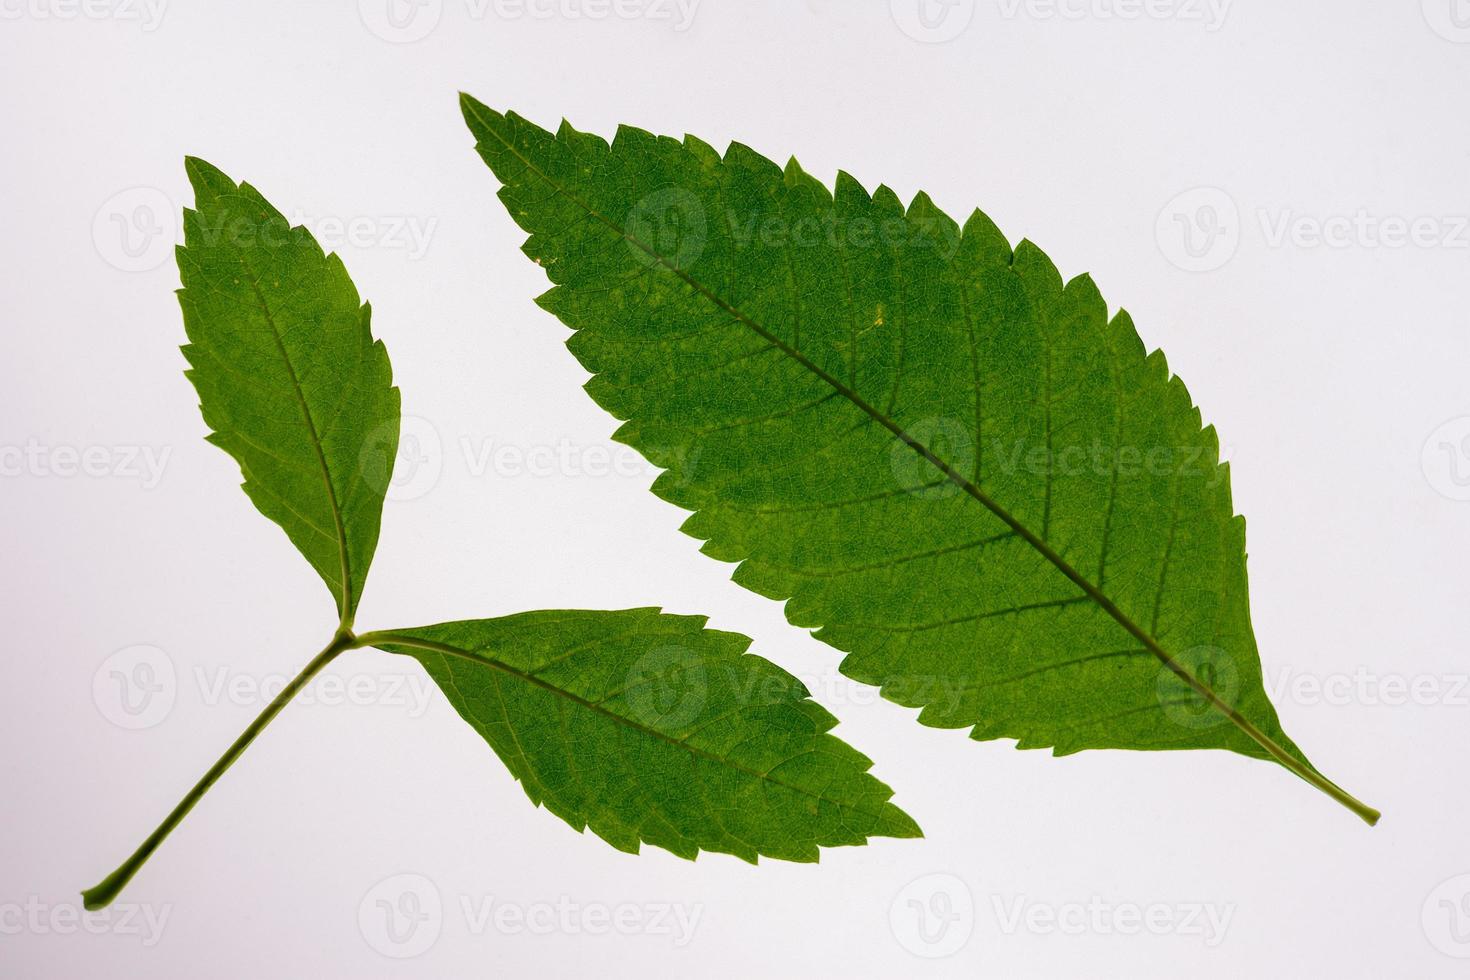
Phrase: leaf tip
(206, 179)
(899, 824)
(477, 113)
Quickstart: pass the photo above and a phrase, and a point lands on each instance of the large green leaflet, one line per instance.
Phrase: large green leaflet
(950, 463)
(289, 377)
(647, 727)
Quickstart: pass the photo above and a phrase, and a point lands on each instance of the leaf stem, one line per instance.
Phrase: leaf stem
(1366, 813)
(103, 893)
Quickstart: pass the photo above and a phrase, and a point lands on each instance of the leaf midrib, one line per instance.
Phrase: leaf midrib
(384, 639)
(345, 596)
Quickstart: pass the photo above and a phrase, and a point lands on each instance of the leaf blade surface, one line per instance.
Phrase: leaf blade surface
(290, 380)
(648, 728)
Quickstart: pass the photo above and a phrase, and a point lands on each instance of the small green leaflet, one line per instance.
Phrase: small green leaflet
(645, 727)
(951, 464)
(289, 376)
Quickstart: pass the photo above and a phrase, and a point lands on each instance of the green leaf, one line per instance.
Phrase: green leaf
(289, 377)
(647, 727)
(954, 466)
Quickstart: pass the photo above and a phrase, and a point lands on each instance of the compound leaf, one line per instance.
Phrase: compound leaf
(950, 463)
(290, 380)
(648, 728)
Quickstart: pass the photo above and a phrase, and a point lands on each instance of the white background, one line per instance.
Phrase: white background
(1104, 131)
